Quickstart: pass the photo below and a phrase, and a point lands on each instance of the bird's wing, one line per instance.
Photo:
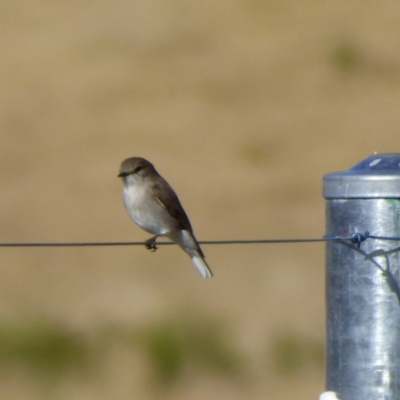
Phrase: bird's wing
(168, 199)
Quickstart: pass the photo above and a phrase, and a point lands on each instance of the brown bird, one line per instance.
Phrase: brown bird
(153, 205)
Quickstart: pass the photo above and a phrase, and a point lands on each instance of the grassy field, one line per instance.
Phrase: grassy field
(242, 106)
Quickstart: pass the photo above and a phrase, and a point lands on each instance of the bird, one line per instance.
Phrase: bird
(154, 206)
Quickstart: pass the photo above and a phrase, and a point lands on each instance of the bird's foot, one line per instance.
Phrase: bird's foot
(151, 243)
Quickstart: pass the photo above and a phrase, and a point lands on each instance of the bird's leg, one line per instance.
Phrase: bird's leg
(151, 243)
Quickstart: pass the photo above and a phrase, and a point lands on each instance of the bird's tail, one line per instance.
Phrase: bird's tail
(186, 240)
(201, 265)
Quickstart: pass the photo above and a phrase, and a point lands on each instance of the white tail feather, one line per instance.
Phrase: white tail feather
(202, 266)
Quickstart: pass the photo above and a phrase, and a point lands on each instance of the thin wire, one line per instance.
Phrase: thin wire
(394, 238)
(72, 244)
(206, 242)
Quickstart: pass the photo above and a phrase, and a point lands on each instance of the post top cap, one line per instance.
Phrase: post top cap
(377, 163)
(377, 176)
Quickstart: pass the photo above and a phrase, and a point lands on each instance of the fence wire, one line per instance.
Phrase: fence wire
(356, 238)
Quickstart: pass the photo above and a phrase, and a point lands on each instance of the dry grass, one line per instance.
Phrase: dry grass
(242, 106)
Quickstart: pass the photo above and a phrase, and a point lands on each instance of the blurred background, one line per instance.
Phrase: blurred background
(242, 106)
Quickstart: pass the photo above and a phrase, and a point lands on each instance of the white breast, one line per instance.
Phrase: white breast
(144, 209)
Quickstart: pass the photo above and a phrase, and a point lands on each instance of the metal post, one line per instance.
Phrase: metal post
(362, 285)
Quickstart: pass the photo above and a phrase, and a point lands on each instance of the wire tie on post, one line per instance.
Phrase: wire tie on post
(359, 237)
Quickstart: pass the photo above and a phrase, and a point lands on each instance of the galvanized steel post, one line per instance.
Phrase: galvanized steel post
(362, 284)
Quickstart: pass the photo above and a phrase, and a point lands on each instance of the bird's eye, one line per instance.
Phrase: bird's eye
(137, 169)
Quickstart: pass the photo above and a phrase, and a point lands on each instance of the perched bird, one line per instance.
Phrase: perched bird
(153, 205)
